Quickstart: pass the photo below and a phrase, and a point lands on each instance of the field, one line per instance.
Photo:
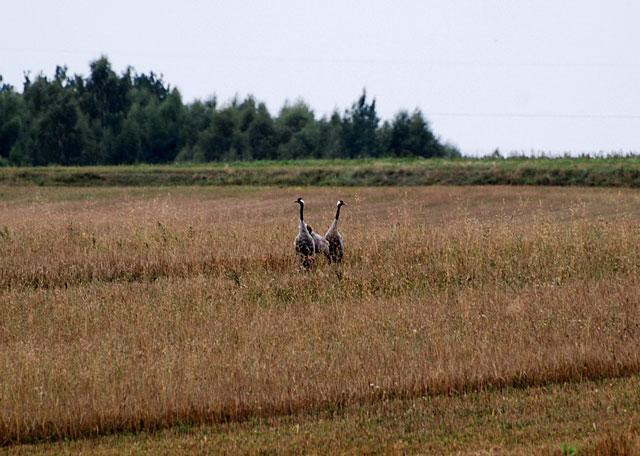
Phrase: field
(175, 319)
(591, 172)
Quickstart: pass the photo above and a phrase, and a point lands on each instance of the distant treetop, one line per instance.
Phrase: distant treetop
(110, 118)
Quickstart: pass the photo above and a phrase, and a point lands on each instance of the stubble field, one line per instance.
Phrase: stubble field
(142, 309)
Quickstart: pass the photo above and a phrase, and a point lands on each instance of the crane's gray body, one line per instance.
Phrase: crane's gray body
(334, 238)
(320, 243)
(303, 243)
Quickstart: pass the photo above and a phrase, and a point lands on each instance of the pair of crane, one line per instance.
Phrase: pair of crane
(307, 243)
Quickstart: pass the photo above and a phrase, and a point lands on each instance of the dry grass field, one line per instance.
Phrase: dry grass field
(152, 310)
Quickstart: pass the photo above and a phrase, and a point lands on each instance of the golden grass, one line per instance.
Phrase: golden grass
(592, 417)
(127, 311)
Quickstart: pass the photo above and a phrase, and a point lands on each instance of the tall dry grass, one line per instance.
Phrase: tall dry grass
(135, 310)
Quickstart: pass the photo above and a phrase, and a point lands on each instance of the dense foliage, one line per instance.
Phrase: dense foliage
(106, 118)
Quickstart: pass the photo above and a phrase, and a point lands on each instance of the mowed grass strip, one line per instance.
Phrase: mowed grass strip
(443, 291)
(604, 172)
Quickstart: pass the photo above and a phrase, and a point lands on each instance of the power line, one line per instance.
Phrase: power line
(415, 60)
(533, 115)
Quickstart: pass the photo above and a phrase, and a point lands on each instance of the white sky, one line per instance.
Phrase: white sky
(569, 70)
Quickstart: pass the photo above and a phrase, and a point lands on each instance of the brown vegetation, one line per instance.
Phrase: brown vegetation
(131, 310)
(591, 417)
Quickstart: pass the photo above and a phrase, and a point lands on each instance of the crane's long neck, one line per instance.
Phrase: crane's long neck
(334, 224)
(303, 226)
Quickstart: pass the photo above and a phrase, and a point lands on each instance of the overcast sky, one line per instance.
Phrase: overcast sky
(553, 75)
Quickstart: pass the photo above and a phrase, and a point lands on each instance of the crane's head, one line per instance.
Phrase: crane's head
(341, 203)
(299, 201)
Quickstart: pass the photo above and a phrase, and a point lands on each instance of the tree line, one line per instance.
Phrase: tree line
(106, 118)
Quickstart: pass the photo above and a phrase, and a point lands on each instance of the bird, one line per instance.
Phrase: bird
(320, 243)
(334, 238)
(303, 243)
